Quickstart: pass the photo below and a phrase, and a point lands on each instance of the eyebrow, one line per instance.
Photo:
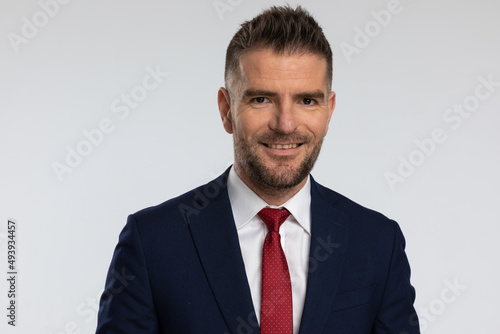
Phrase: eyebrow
(316, 94)
(257, 92)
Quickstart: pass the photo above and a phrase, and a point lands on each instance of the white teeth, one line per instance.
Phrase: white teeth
(283, 147)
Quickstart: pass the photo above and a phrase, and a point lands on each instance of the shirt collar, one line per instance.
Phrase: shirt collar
(246, 204)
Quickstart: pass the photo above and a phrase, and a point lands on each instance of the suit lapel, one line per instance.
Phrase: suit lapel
(328, 245)
(214, 233)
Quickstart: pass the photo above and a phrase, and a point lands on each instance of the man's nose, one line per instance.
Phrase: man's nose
(285, 118)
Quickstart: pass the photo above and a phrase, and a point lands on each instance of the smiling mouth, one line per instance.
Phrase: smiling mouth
(282, 146)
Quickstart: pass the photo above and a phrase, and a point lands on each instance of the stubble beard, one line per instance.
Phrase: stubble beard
(285, 175)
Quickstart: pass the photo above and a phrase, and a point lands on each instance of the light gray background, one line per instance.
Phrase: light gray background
(396, 90)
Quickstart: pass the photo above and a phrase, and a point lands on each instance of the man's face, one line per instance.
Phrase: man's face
(278, 114)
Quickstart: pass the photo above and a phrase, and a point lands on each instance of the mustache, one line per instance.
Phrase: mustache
(273, 137)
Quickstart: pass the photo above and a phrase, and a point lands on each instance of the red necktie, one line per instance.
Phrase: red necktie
(276, 315)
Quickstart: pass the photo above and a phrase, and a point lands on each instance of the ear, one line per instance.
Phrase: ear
(225, 109)
(331, 106)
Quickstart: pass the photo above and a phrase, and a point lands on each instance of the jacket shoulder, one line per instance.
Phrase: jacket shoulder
(357, 212)
(181, 207)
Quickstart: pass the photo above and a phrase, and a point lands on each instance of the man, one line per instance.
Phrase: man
(211, 260)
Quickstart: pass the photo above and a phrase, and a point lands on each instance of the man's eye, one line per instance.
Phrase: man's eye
(308, 102)
(260, 100)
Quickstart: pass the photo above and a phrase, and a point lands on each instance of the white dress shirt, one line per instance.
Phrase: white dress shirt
(295, 239)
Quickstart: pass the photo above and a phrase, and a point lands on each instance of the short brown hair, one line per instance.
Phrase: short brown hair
(282, 29)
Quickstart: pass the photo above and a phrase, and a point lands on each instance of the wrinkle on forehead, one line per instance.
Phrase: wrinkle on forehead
(280, 71)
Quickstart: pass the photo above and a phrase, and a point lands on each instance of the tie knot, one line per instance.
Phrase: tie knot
(273, 218)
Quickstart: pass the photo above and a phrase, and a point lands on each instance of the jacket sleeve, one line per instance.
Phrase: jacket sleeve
(126, 305)
(396, 313)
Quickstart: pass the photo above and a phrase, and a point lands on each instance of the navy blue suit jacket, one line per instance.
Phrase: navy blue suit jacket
(178, 268)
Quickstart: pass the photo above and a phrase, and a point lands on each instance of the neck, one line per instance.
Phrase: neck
(271, 196)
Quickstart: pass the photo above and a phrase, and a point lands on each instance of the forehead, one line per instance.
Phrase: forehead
(264, 66)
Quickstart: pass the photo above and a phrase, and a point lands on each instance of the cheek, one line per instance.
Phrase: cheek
(250, 126)
(323, 124)
(322, 129)
(316, 125)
